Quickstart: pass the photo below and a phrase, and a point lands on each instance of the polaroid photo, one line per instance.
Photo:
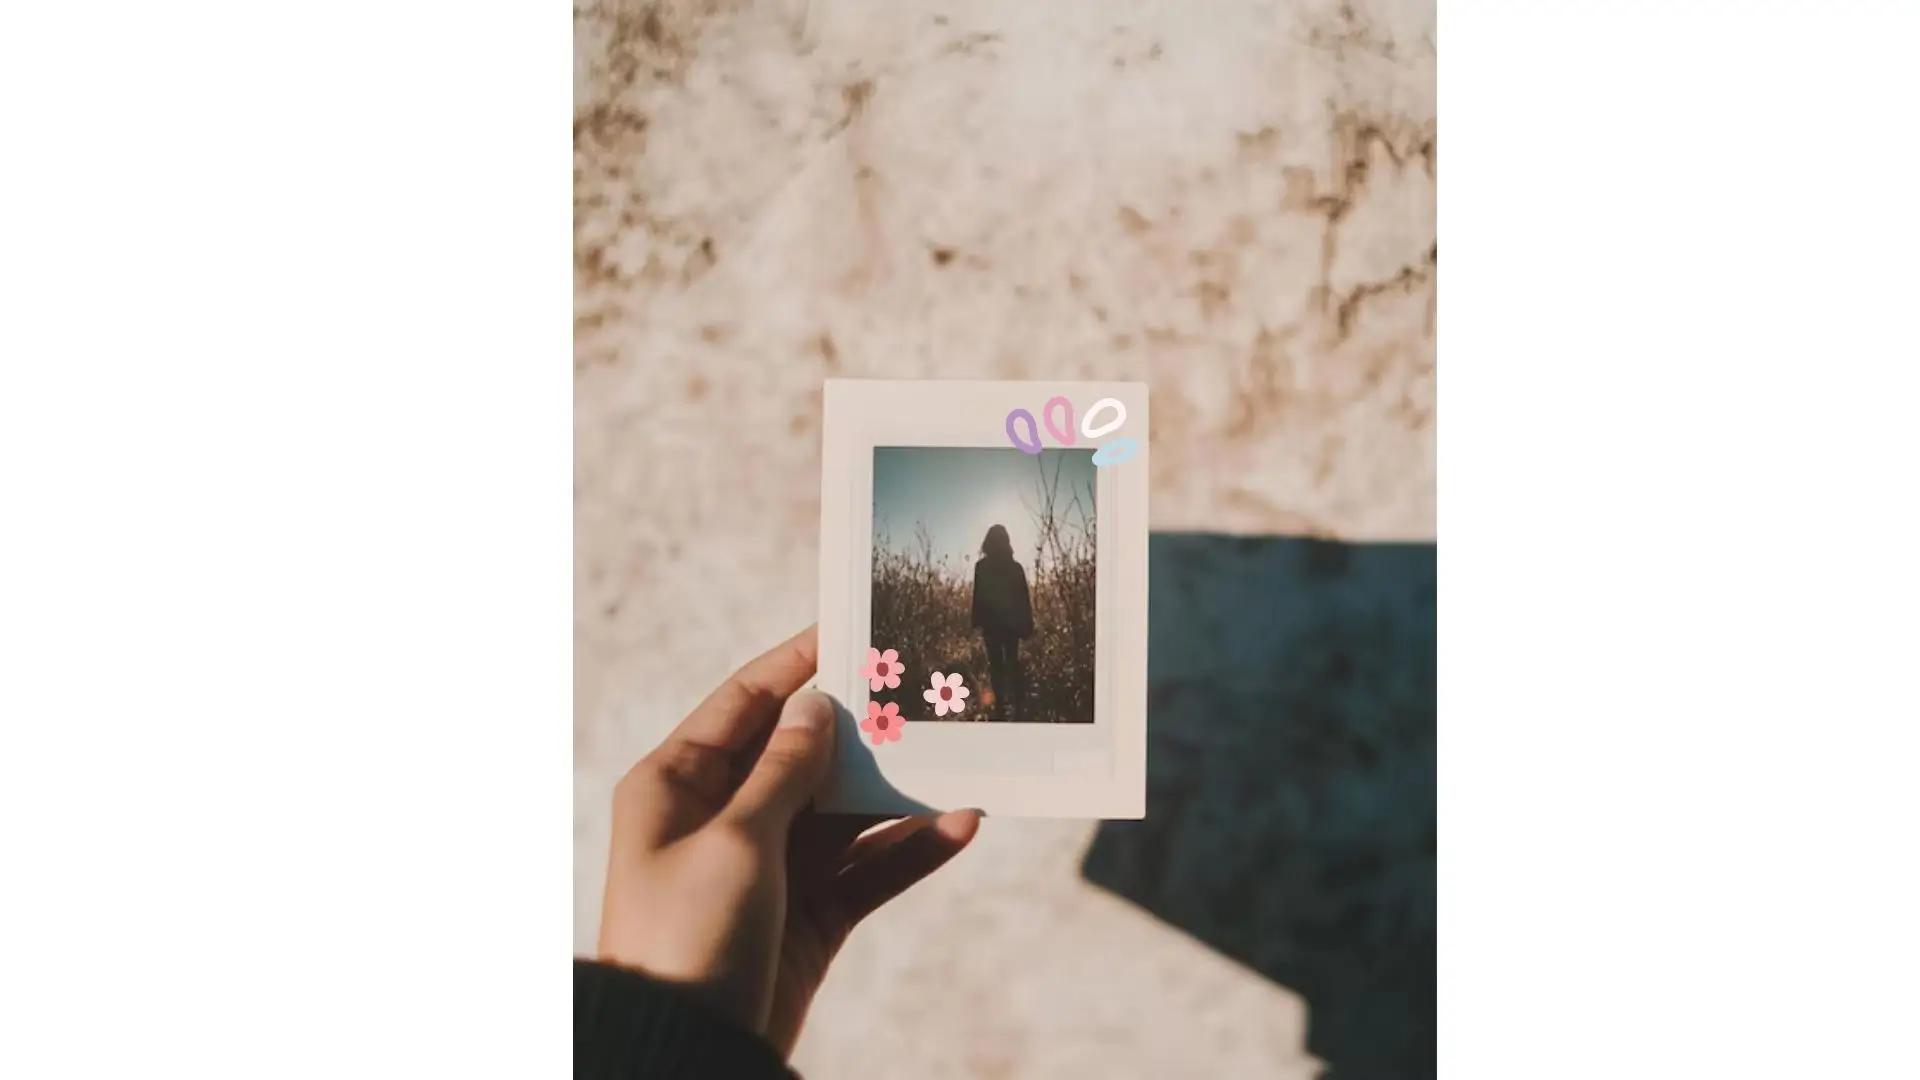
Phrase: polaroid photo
(983, 596)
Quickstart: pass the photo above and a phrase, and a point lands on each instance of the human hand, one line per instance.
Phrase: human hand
(720, 879)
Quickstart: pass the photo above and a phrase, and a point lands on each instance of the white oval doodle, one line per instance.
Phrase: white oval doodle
(1086, 419)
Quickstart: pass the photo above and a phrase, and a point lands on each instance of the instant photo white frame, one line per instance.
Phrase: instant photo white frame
(1096, 770)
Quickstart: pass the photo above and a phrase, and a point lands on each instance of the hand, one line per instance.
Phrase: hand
(720, 878)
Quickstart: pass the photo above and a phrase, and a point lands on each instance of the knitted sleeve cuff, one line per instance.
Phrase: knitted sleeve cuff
(630, 1027)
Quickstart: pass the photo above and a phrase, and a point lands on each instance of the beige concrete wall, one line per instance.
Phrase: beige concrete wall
(1234, 202)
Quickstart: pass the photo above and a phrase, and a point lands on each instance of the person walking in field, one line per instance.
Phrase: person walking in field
(1003, 613)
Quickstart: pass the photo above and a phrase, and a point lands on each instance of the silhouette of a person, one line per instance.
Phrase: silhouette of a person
(1003, 613)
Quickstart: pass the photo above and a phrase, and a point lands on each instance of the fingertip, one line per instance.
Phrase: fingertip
(958, 826)
(808, 710)
(794, 763)
(901, 855)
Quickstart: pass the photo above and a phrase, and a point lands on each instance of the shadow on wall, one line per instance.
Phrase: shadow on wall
(1290, 780)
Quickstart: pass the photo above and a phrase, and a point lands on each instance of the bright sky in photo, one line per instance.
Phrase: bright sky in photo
(961, 492)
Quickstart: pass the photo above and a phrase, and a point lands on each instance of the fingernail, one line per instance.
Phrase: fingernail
(809, 710)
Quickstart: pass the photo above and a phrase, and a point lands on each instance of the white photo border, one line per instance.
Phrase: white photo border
(1095, 770)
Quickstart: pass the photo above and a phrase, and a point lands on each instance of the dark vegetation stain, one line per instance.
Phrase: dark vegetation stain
(1350, 31)
(829, 355)
(971, 44)
(619, 239)
(1128, 49)
(1362, 145)
(1404, 281)
(854, 97)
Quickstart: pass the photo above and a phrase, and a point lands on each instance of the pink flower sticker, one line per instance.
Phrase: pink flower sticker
(883, 722)
(882, 670)
(947, 694)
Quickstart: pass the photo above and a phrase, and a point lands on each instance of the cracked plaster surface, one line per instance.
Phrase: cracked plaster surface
(1233, 202)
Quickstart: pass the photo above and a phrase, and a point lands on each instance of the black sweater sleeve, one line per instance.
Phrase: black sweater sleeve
(630, 1027)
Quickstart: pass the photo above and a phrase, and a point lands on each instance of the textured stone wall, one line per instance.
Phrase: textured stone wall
(1233, 202)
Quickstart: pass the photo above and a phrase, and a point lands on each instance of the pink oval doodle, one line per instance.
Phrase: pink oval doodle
(1032, 445)
(1064, 438)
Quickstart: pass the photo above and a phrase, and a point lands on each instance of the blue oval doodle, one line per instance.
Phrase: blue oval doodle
(1119, 450)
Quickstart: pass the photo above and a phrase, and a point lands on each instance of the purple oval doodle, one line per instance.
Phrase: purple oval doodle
(1064, 438)
(1032, 446)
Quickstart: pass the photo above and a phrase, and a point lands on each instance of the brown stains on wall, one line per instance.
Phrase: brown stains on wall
(1352, 340)
(870, 265)
(1349, 33)
(1362, 147)
(1267, 385)
(606, 124)
(853, 98)
(1257, 143)
(618, 237)
(976, 44)
(1406, 281)
(829, 353)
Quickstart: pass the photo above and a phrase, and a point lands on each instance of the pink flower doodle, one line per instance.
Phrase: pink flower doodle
(882, 670)
(946, 694)
(883, 722)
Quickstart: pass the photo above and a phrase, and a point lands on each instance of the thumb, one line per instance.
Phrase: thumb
(792, 766)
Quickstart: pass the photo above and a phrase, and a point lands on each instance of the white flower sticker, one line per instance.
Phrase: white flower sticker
(947, 694)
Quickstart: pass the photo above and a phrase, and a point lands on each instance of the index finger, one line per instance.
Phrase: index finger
(743, 709)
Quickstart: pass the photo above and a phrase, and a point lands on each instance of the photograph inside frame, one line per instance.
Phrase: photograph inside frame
(983, 583)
